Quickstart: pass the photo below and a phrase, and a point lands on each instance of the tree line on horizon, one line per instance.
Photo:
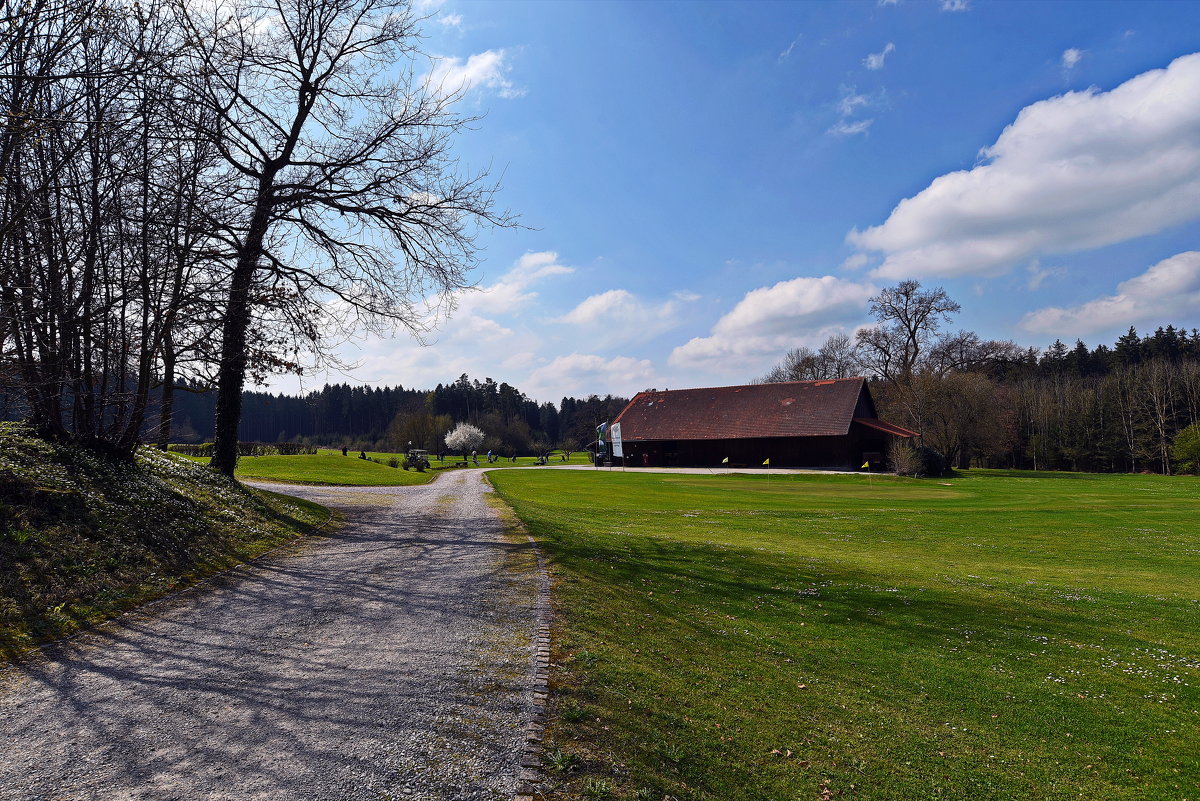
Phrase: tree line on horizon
(1129, 407)
(388, 418)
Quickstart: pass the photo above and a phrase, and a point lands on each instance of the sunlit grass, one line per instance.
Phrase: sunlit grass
(998, 635)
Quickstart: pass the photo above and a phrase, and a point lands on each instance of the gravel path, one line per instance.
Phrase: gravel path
(389, 660)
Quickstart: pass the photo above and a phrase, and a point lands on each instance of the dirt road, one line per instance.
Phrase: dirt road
(391, 659)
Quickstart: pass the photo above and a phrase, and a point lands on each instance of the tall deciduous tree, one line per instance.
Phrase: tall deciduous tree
(89, 212)
(346, 206)
(909, 320)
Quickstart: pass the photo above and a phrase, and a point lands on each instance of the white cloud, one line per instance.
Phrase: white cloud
(512, 290)
(619, 316)
(1039, 274)
(1071, 56)
(1170, 288)
(847, 128)
(887, 2)
(581, 374)
(874, 61)
(769, 320)
(855, 261)
(956, 5)
(451, 20)
(488, 69)
(600, 307)
(851, 102)
(1078, 171)
(784, 55)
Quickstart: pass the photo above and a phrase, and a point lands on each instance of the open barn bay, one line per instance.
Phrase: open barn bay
(993, 635)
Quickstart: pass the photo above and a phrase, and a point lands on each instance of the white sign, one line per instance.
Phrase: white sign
(614, 434)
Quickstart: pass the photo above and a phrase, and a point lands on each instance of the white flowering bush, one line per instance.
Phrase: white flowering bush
(464, 438)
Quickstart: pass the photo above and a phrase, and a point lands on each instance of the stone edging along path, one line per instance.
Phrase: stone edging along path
(531, 758)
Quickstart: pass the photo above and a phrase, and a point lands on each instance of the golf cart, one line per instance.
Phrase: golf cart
(418, 459)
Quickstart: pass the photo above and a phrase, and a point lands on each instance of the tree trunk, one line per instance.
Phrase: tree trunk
(167, 402)
(231, 376)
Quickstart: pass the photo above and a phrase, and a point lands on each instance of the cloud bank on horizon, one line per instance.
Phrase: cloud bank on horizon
(1169, 288)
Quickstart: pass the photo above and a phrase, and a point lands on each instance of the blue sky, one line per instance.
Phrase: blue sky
(708, 184)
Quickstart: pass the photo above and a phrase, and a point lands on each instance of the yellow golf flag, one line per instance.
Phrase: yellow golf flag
(725, 460)
(866, 465)
(767, 462)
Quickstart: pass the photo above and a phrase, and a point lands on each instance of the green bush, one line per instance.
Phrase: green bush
(1186, 449)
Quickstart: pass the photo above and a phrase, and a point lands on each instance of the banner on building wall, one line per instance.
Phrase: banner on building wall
(614, 433)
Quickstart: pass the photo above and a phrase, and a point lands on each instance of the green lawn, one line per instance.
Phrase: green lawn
(330, 467)
(326, 467)
(992, 636)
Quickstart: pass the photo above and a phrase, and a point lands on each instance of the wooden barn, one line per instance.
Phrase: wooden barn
(825, 424)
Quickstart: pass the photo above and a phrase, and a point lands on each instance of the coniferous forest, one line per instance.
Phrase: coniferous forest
(388, 418)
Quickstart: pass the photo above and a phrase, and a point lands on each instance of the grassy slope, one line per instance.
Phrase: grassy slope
(996, 636)
(330, 467)
(83, 538)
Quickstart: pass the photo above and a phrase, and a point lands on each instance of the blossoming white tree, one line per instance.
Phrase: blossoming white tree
(464, 438)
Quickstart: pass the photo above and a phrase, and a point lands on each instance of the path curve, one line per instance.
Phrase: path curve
(390, 659)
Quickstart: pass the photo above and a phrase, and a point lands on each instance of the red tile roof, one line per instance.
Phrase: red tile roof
(794, 409)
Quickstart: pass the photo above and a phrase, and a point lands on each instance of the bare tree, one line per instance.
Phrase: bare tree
(834, 359)
(345, 204)
(965, 351)
(87, 229)
(908, 322)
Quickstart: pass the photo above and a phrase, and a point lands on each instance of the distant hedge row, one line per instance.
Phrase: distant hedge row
(247, 449)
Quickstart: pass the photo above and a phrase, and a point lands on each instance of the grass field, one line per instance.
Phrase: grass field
(991, 636)
(330, 467)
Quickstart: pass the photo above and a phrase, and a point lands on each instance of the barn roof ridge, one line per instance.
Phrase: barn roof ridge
(743, 386)
(784, 409)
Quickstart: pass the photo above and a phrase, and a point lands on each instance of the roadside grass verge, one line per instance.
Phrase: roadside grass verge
(84, 538)
(330, 467)
(998, 635)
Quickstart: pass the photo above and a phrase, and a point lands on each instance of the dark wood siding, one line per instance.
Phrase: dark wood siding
(843, 453)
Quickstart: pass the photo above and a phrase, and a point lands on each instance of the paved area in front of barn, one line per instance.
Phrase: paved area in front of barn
(390, 659)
